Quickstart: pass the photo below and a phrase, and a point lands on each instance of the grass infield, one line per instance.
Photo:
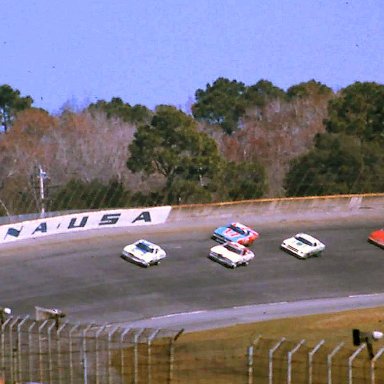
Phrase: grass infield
(220, 355)
(332, 327)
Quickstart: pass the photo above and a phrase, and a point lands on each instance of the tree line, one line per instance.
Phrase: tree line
(237, 142)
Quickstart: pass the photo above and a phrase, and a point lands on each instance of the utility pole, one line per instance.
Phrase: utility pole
(42, 177)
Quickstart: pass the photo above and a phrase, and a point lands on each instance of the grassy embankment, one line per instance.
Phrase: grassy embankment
(220, 355)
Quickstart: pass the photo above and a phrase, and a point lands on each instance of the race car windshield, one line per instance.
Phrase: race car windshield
(237, 229)
(305, 241)
(144, 247)
(233, 249)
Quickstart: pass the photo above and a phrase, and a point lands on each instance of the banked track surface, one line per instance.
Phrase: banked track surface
(83, 275)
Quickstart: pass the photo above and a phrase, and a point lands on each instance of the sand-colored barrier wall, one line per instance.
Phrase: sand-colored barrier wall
(279, 209)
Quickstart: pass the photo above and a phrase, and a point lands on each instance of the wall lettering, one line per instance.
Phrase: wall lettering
(145, 215)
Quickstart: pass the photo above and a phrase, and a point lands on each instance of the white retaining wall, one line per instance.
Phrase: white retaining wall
(272, 210)
(82, 222)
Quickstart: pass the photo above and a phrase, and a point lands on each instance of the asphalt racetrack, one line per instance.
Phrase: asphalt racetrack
(83, 275)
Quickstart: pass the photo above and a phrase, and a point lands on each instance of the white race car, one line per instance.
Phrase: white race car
(144, 253)
(302, 246)
(231, 254)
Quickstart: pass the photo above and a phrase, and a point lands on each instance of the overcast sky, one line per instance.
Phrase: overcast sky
(155, 52)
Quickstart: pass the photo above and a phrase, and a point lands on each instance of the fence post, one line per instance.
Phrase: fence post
(59, 356)
(373, 362)
(310, 360)
(350, 362)
(250, 358)
(30, 344)
(122, 352)
(3, 325)
(19, 375)
(85, 357)
(329, 361)
(40, 352)
(290, 354)
(12, 349)
(136, 355)
(270, 362)
(97, 352)
(50, 365)
(149, 355)
(172, 355)
(110, 334)
(71, 353)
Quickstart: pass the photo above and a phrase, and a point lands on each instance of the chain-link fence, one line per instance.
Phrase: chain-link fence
(270, 361)
(47, 351)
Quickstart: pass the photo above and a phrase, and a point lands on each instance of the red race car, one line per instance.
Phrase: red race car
(377, 237)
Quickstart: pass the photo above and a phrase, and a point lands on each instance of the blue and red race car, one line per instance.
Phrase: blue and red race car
(235, 232)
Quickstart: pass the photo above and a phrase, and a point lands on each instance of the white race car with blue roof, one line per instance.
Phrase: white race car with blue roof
(303, 246)
(144, 253)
